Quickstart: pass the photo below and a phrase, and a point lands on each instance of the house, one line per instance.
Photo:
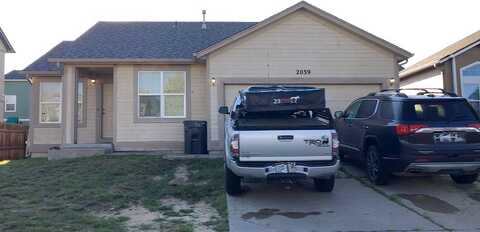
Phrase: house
(435, 71)
(17, 96)
(5, 47)
(133, 84)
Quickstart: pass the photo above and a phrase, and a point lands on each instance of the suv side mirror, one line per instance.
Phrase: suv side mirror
(339, 114)
(223, 110)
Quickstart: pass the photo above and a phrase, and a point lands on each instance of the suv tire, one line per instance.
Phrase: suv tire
(324, 185)
(464, 179)
(232, 183)
(376, 172)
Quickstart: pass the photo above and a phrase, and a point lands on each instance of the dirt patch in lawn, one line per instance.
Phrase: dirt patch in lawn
(177, 215)
(181, 176)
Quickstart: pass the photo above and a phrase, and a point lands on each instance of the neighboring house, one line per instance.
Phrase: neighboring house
(5, 47)
(17, 96)
(134, 83)
(435, 71)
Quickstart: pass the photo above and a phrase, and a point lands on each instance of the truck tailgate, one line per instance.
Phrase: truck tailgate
(285, 145)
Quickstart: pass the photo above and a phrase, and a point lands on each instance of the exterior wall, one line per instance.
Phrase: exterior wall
(130, 134)
(42, 136)
(87, 129)
(22, 90)
(465, 59)
(298, 41)
(2, 77)
(429, 79)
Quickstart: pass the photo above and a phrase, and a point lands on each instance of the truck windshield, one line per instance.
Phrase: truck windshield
(438, 111)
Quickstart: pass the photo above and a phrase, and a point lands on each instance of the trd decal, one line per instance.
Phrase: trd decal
(322, 142)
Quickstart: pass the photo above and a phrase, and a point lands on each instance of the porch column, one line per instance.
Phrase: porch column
(68, 106)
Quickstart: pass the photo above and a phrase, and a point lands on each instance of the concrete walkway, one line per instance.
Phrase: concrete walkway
(408, 204)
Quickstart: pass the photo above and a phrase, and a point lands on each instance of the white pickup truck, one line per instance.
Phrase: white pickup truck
(276, 132)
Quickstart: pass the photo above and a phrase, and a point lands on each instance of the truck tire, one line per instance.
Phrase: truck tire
(464, 179)
(324, 185)
(232, 183)
(376, 171)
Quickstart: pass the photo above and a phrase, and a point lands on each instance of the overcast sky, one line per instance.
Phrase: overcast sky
(419, 26)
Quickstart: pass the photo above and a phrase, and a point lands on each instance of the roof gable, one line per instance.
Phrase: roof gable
(439, 56)
(5, 42)
(15, 75)
(42, 64)
(401, 53)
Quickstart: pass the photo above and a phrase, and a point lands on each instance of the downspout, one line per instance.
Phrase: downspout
(454, 75)
(75, 107)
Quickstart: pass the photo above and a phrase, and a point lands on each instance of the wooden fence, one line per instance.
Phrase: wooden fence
(12, 141)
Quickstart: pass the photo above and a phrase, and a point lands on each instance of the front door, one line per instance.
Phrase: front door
(107, 112)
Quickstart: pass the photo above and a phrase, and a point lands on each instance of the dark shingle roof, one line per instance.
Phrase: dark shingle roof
(42, 64)
(436, 57)
(149, 40)
(15, 75)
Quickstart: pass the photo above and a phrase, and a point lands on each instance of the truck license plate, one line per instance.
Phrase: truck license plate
(284, 168)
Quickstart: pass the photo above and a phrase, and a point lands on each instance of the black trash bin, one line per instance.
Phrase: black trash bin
(195, 137)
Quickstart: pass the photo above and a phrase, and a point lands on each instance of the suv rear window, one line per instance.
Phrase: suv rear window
(437, 111)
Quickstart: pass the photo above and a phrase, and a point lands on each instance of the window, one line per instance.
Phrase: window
(470, 79)
(50, 107)
(80, 105)
(438, 111)
(386, 110)
(351, 111)
(161, 94)
(366, 109)
(10, 103)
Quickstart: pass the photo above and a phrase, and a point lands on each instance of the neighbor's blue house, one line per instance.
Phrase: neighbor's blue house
(17, 96)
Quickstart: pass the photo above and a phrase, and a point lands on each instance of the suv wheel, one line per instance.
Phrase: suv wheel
(324, 185)
(464, 179)
(375, 169)
(232, 183)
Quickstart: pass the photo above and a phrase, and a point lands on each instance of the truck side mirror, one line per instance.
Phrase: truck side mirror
(223, 110)
(339, 114)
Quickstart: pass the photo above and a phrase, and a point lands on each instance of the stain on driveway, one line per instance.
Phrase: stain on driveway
(267, 213)
(429, 203)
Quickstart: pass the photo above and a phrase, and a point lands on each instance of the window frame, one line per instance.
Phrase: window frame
(360, 104)
(162, 118)
(462, 79)
(60, 117)
(14, 104)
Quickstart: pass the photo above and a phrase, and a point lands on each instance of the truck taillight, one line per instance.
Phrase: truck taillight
(235, 146)
(335, 144)
(406, 129)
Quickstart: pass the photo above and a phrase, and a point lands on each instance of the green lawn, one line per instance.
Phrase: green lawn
(90, 194)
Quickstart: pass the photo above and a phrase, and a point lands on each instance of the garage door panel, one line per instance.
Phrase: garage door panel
(338, 97)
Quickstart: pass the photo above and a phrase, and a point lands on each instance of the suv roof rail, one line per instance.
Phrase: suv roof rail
(431, 92)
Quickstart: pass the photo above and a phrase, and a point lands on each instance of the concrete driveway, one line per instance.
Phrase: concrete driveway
(407, 204)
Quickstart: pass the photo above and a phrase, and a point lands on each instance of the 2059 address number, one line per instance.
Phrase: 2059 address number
(303, 71)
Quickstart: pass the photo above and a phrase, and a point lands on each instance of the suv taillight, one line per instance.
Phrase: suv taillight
(475, 125)
(335, 144)
(235, 146)
(406, 129)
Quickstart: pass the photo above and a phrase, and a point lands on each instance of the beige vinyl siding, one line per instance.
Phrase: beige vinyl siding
(302, 41)
(2, 77)
(87, 134)
(47, 135)
(127, 130)
(429, 79)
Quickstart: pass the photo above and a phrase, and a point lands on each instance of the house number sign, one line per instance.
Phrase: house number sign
(303, 72)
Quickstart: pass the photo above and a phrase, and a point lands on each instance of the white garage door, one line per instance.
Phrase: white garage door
(337, 96)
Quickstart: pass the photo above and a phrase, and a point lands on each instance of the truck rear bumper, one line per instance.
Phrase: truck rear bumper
(444, 167)
(264, 172)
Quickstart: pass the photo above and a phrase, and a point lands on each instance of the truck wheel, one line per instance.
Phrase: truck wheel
(324, 185)
(232, 183)
(376, 172)
(464, 179)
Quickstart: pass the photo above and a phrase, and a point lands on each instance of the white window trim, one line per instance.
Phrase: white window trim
(462, 79)
(162, 96)
(49, 102)
(14, 104)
